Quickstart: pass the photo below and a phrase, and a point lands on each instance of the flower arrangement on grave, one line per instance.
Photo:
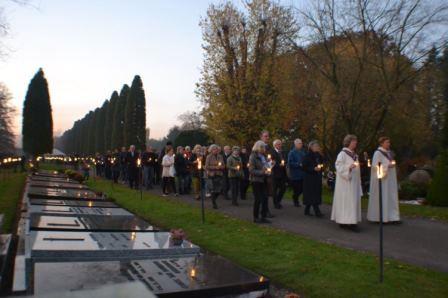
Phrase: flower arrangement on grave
(177, 236)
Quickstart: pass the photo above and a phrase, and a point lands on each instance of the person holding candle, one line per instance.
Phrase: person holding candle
(296, 173)
(312, 183)
(258, 173)
(346, 209)
(197, 162)
(235, 172)
(279, 177)
(214, 166)
(391, 212)
(180, 165)
(132, 168)
(168, 172)
(227, 152)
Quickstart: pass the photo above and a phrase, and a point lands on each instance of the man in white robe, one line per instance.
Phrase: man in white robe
(346, 210)
(391, 212)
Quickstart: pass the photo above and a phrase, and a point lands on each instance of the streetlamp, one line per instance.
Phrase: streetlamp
(380, 175)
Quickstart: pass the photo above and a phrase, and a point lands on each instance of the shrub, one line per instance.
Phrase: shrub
(438, 191)
(411, 191)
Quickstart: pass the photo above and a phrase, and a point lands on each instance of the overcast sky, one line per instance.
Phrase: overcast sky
(88, 48)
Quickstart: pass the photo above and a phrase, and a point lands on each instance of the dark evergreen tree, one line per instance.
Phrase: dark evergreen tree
(119, 118)
(37, 127)
(99, 127)
(109, 122)
(135, 115)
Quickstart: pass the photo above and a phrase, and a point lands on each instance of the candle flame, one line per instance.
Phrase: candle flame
(379, 171)
(369, 163)
(193, 273)
(133, 236)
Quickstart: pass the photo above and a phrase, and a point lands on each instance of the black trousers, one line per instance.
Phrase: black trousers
(133, 174)
(278, 189)
(260, 199)
(244, 185)
(168, 184)
(297, 187)
(234, 188)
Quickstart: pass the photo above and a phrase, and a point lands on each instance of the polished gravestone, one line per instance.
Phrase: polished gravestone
(45, 173)
(202, 275)
(53, 179)
(51, 184)
(77, 194)
(89, 223)
(5, 249)
(62, 246)
(73, 203)
(70, 211)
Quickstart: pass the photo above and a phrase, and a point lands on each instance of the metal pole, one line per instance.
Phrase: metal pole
(381, 226)
(201, 182)
(141, 183)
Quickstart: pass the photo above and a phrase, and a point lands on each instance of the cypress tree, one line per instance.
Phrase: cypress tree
(109, 122)
(119, 118)
(37, 127)
(99, 127)
(135, 115)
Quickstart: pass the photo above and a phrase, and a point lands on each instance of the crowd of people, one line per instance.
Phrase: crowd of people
(228, 172)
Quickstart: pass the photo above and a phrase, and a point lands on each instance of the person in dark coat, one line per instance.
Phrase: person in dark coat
(227, 152)
(132, 168)
(259, 170)
(312, 183)
(123, 165)
(279, 177)
(296, 173)
(180, 165)
(245, 179)
(115, 165)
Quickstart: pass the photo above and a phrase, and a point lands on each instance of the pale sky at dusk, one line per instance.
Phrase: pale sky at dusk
(88, 48)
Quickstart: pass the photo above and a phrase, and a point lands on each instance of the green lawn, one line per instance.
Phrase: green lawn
(431, 212)
(310, 268)
(11, 186)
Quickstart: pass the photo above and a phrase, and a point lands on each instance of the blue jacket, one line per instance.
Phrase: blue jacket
(295, 159)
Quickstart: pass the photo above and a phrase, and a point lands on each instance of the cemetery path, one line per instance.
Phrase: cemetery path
(417, 241)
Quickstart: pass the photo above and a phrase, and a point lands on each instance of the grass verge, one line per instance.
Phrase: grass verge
(11, 186)
(310, 268)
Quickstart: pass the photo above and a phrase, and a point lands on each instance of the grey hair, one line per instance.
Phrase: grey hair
(348, 139)
(258, 145)
(276, 142)
(212, 146)
(312, 143)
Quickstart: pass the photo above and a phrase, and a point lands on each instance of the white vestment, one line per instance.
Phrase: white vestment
(348, 191)
(391, 211)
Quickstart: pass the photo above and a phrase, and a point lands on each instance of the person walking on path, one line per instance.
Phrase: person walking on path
(258, 177)
(235, 173)
(391, 212)
(214, 166)
(346, 210)
(312, 183)
(295, 168)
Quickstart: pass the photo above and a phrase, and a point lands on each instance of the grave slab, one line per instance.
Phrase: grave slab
(53, 179)
(81, 194)
(200, 276)
(92, 223)
(49, 184)
(70, 211)
(73, 203)
(75, 246)
(5, 249)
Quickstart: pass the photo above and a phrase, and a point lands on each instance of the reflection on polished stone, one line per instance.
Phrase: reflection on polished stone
(79, 203)
(88, 223)
(53, 179)
(45, 173)
(70, 211)
(196, 276)
(83, 246)
(51, 184)
(39, 192)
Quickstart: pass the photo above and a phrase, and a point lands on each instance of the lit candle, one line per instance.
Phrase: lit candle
(139, 162)
(248, 164)
(320, 166)
(238, 167)
(393, 162)
(269, 156)
(193, 273)
(219, 164)
(356, 163)
(133, 236)
(379, 171)
(90, 204)
(283, 162)
(199, 164)
(369, 163)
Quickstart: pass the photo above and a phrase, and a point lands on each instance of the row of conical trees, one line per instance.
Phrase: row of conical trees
(120, 121)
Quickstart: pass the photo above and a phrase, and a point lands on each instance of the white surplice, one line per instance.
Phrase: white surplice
(348, 191)
(391, 211)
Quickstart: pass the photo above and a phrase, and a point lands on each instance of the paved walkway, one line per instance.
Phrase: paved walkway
(421, 242)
